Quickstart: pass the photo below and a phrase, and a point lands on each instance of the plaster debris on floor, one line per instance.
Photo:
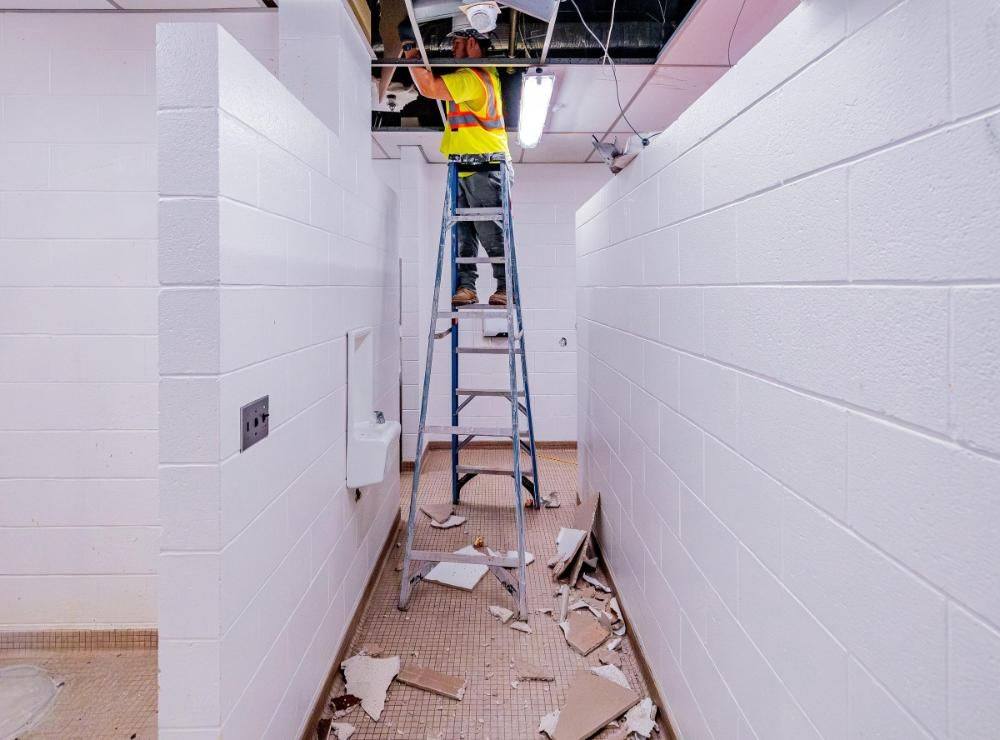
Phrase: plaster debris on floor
(471, 669)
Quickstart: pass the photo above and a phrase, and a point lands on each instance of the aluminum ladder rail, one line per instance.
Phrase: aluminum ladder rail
(418, 563)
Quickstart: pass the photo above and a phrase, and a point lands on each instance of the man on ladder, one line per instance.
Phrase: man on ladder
(475, 126)
(477, 206)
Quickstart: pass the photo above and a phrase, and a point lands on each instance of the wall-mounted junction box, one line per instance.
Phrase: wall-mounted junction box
(254, 422)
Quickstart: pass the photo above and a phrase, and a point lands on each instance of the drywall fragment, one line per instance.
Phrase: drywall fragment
(463, 576)
(615, 643)
(521, 627)
(615, 609)
(501, 613)
(583, 604)
(641, 719)
(563, 602)
(341, 730)
(596, 583)
(567, 541)
(343, 704)
(369, 679)
(619, 631)
(581, 555)
(609, 657)
(548, 723)
(528, 671)
(583, 633)
(612, 673)
(432, 681)
(528, 557)
(439, 513)
(591, 703)
(453, 521)
(544, 610)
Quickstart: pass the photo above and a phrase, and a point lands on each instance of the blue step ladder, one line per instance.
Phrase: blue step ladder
(418, 563)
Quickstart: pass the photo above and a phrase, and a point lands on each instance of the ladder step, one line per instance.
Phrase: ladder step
(477, 214)
(480, 311)
(475, 431)
(443, 556)
(487, 350)
(480, 470)
(478, 260)
(484, 392)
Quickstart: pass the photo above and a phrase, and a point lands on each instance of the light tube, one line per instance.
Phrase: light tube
(536, 93)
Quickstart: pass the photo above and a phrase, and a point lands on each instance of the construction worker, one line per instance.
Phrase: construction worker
(475, 126)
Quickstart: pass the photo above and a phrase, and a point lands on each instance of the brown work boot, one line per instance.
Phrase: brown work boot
(499, 298)
(463, 297)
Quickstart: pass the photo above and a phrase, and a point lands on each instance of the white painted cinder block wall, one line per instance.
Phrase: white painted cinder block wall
(545, 198)
(788, 376)
(266, 552)
(78, 344)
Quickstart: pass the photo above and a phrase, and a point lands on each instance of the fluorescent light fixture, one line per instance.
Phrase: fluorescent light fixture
(536, 93)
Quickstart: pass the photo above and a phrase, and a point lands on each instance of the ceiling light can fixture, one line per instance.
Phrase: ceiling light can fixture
(536, 94)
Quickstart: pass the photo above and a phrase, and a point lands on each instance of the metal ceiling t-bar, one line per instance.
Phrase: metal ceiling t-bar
(423, 53)
(548, 34)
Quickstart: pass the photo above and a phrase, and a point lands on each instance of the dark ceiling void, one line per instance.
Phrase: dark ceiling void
(639, 29)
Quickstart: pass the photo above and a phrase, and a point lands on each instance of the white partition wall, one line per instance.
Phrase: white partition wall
(789, 324)
(276, 239)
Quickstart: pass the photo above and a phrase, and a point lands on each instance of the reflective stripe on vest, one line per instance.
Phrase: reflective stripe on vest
(461, 117)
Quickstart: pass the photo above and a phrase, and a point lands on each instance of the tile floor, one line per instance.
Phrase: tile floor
(108, 693)
(451, 631)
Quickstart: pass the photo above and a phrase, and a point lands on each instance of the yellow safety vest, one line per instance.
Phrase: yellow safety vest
(474, 130)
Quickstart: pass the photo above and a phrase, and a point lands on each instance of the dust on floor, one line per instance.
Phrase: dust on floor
(106, 693)
(453, 632)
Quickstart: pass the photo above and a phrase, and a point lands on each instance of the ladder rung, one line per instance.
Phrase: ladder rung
(487, 350)
(480, 470)
(442, 556)
(475, 313)
(478, 260)
(475, 431)
(484, 392)
(477, 214)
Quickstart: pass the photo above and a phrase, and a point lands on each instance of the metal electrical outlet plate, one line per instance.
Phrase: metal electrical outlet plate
(254, 419)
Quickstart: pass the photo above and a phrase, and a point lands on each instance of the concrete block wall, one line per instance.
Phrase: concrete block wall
(545, 198)
(78, 329)
(276, 240)
(788, 317)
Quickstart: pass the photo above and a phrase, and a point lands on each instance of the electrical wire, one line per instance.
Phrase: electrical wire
(611, 25)
(644, 139)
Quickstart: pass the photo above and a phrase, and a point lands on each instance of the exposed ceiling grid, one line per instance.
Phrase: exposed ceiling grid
(132, 5)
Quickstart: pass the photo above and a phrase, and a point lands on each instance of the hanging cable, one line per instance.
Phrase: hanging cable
(644, 139)
(611, 26)
(732, 34)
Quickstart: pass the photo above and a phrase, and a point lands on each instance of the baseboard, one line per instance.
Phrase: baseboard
(309, 733)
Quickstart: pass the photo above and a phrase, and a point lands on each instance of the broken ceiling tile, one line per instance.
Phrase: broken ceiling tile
(563, 602)
(463, 576)
(548, 723)
(501, 613)
(591, 703)
(615, 643)
(596, 583)
(583, 633)
(528, 557)
(521, 627)
(432, 681)
(641, 719)
(369, 679)
(616, 610)
(528, 671)
(453, 521)
(612, 673)
(609, 657)
(438, 512)
(567, 542)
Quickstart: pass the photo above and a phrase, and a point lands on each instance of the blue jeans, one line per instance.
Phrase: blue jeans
(479, 190)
